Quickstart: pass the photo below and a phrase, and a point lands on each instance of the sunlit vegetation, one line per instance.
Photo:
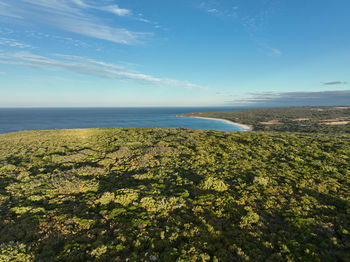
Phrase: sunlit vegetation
(173, 195)
(331, 120)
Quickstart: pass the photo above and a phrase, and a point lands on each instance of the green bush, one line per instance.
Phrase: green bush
(173, 195)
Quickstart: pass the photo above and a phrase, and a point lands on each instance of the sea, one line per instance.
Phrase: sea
(18, 119)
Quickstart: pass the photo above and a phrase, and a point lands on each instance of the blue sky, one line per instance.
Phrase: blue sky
(173, 53)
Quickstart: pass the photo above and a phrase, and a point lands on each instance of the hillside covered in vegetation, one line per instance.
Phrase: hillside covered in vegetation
(173, 195)
(333, 120)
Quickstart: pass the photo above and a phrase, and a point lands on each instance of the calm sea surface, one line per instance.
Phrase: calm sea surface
(16, 119)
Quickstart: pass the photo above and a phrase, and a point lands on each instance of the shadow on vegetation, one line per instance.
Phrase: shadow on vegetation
(174, 195)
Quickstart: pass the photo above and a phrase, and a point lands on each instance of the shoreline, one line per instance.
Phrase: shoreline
(245, 128)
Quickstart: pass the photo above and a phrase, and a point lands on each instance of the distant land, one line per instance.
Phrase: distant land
(333, 120)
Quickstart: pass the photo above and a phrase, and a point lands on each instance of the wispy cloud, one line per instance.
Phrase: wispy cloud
(74, 16)
(115, 9)
(58, 38)
(335, 83)
(253, 20)
(90, 67)
(213, 11)
(212, 8)
(13, 43)
(254, 23)
(5, 10)
(318, 98)
(272, 51)
(89, 28)
(275, 51)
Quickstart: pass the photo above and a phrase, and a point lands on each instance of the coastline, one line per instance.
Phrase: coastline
(245, 128)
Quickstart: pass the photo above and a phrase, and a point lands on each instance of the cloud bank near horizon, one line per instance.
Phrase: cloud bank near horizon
(321, 98)
(335, 83)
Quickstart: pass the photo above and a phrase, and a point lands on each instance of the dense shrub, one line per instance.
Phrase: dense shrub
(173, 195)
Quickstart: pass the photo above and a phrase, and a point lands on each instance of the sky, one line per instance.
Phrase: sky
(118, 53)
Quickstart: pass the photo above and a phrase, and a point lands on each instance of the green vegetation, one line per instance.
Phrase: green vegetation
(331, 120)
(173, 195)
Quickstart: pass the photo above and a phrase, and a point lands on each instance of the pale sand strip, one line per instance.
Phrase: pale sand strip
(245, 128)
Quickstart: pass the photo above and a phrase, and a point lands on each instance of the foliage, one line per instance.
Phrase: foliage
(15, 251)
(173, 195)
(214, 184)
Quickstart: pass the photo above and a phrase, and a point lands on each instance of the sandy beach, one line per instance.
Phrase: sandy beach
(245, 128)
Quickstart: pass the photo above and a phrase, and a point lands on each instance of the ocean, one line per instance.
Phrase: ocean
(17, 119)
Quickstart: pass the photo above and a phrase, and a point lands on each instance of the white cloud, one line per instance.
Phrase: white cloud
(13, 43)
(5, 11)
(214, 11)
(86, 66)
(115, 9)
(73, 16)
(146, 21)
(53, 6)
(89, 28)
(80, 3)
(271, 50)
(276, 52)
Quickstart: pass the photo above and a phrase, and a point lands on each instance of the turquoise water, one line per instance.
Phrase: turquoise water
(16, 119)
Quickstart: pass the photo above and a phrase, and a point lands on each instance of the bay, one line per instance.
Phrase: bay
(17, 119)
